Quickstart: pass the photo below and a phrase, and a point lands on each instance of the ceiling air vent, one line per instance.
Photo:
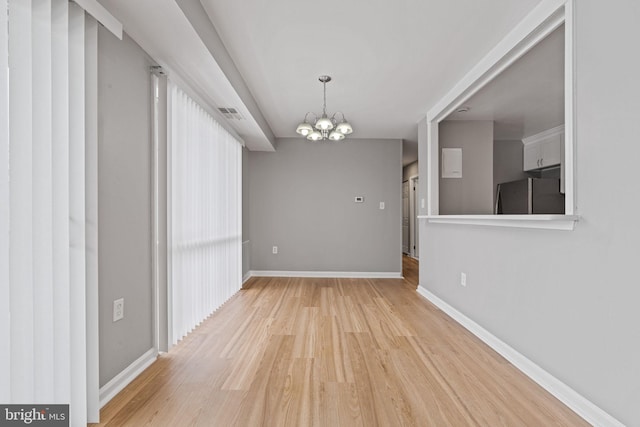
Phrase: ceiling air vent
(231, 113)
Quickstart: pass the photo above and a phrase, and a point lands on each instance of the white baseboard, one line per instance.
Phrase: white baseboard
(120, 381)
(328, 274)
(572, 399)
(246, 277)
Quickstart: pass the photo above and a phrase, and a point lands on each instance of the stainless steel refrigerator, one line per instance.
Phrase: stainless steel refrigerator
(530, 196)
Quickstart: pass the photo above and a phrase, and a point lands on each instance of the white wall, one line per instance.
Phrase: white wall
(302, 200)
(569, 300)
(124, 217)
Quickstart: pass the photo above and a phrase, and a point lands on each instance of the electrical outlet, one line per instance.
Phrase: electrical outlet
(274, 250)
(118, 309)
(463, 279)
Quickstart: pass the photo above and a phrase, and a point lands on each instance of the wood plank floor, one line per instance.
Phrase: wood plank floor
(333, 352)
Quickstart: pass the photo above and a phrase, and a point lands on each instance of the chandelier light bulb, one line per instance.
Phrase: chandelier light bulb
(344, 128)
(304, 129)
(324, 123)
(314, 136)
(336, 136)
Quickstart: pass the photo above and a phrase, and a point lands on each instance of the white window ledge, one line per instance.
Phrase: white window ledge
(548, 222)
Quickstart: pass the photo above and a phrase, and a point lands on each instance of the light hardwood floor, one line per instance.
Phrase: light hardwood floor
(333, 352)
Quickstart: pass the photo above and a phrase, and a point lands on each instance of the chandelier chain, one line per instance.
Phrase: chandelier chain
(324, 106)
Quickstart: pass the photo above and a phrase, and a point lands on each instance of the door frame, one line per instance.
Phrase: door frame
(414, 249)
(408, 184)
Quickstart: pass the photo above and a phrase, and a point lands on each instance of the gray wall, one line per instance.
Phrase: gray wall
(409, 171)
(473, 193)
(124, 217)
(569, 300)
(507, 162)
(246, 236)
(302, 200)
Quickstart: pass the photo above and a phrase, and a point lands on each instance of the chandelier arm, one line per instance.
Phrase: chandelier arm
(310, 112)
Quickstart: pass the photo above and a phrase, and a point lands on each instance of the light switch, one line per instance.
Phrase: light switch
(381, 205)
(118, 309)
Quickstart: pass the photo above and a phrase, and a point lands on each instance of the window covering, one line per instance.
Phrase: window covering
(43, 221)
(205, 236)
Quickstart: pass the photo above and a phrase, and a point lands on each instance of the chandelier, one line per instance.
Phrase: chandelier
(324, 127)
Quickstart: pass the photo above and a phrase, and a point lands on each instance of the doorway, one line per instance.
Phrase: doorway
(413, 216)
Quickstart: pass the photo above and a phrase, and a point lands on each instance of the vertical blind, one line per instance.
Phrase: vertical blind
(42, 204)
(205, 249)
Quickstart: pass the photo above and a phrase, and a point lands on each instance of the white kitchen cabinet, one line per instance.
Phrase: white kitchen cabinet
(543, 150)
(531, 156)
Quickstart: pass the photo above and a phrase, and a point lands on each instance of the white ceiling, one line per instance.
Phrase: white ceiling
(528, 97)
(391, 61)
